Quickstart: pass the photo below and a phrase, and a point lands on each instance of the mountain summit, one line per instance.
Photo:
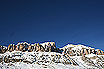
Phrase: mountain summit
(47, 55)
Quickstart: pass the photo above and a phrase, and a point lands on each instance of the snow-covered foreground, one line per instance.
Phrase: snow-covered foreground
(49, 60)
(36, 60)
(21, 65)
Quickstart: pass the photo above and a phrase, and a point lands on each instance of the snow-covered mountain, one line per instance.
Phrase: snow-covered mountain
(47, 55)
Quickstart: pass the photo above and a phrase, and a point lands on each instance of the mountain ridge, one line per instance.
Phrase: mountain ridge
(47, 55)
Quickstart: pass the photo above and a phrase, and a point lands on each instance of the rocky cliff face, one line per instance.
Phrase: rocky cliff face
(43, 47)
(47, 55)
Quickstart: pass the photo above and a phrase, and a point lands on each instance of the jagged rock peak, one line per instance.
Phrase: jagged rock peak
(71, 49)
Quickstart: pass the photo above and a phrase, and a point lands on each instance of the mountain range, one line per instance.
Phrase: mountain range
(47, 56)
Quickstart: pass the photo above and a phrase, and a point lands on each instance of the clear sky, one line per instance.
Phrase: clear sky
(62, 21)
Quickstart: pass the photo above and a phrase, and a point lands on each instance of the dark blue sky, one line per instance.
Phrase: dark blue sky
(63, 21)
